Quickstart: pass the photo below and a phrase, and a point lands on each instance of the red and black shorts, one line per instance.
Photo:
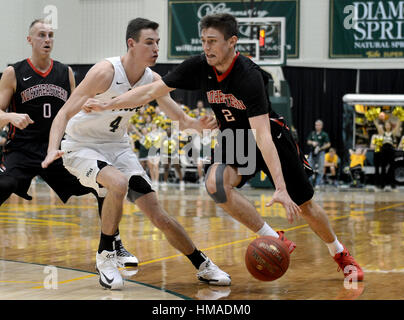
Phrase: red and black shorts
(295, 168)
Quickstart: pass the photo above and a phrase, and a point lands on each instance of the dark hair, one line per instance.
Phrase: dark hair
(137, 25)
(224, 22)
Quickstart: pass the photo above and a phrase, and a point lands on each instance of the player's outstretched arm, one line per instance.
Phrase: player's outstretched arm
(8, 86)
(263, 137)
(97, 80)
(175, 112)
(131, 99)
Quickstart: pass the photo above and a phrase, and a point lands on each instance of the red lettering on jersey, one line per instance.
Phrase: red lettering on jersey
(217, 96)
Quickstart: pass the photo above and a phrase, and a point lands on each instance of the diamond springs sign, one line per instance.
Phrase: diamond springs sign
(366, 29)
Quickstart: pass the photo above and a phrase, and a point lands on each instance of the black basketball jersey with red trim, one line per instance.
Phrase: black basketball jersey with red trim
(40, 95)
(234, 96)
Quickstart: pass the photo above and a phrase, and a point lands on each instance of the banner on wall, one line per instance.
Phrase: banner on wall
(366, 29)
(184, 17)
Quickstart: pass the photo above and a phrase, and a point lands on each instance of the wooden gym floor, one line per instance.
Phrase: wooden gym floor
(47, 249)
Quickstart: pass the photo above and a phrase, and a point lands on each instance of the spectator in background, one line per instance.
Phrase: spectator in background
(319, 141)
(376, 143)
(356, 165)
(331, 165)
(201, 108)
(390, 135)
(401, 144)
(153, 158)
(170, 156)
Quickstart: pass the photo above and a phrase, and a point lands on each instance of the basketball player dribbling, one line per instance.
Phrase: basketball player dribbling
(235, 89)
(37, 88)
(97, 150)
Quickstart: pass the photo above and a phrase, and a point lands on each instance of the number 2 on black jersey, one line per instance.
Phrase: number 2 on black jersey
(115, 124)
(228, 115)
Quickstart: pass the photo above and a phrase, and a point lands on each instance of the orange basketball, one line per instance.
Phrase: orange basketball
(267, 258)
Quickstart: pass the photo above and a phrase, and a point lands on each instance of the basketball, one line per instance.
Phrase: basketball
(267, 258)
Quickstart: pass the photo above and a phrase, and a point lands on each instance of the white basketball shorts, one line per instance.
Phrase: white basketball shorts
(82, 160)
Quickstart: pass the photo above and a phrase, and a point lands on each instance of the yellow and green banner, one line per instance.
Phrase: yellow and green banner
(366, 29)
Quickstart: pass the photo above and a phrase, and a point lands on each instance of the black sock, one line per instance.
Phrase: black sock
(106, 243)
(197, 258)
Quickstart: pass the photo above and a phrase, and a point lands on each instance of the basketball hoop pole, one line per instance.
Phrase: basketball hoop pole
(252, 15)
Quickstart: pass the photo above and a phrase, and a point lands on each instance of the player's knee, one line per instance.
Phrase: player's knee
(215, 184)
(138, 187)
(119, 186)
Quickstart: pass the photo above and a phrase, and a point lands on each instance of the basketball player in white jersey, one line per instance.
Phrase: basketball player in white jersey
(97, 150)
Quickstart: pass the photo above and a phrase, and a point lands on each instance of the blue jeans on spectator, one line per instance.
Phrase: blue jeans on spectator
(316, 162)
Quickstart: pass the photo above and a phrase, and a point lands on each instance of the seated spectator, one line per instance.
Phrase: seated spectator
(331, 165)
(170, 156)
(356, 165)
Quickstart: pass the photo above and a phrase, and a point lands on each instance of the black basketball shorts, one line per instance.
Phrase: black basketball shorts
(24, 164)
(295, 168)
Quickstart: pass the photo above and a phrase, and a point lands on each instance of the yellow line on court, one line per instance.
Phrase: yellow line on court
(69, 280)
(253, 237)
(230, 243)
(35, 221)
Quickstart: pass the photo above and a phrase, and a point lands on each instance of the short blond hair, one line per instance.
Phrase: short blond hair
(33, 23)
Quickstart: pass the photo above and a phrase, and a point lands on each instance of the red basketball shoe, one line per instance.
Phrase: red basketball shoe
(348, 265)
(290, 244)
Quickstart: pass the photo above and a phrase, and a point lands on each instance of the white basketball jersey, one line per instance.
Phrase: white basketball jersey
(109, 125)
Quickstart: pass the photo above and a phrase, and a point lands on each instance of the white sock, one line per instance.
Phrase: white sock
(335, 247)
(266, 230)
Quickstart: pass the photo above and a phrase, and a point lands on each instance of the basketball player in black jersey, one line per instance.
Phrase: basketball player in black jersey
(235, 89)
(34, 90)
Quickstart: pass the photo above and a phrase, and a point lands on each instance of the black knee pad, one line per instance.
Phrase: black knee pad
(138, 187)
(220, 195)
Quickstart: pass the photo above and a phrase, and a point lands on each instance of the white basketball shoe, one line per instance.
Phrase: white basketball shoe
(212, 274)
(124, 257)
(106, 264)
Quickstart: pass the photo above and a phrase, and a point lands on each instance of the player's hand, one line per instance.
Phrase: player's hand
(20, 120)
(208, 122)
(51, 156)
(292, 209)
(94, 105)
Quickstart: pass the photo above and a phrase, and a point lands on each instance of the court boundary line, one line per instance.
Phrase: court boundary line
(93, 274)
(204, 249)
